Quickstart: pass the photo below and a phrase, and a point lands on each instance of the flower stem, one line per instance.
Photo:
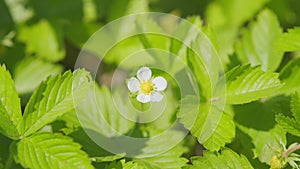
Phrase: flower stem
(142, 107)
(289, 151)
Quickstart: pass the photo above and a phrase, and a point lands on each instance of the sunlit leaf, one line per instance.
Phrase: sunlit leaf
(50, 151)
(187, 33)
(288, 124)
(222, 134)
(98, 112)
(290, 41)
(30, 72)
(47, 41)
(226, 159)
(108, 158)
(123, 165)
(246, 84)
(53, 98)
(20, 13)
(226, 17)
(207, 121)
(167, 160)
(10, 108)
(258, 45)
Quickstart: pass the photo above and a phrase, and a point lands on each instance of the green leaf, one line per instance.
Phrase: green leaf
(101, 116)
(246, 84)
(152, 155)
(226, 159)
(265, 148)
(123, 165)
(136, 43)
(160, 150)
(291, 125)
(108, 158)
(185, 32)
(258, 45)
(290, 41)
(30, 72)
(131, 165)
(221, 12)
(208, 59)
(189, 112)
(89, 145)
(53, 98)
(169, 160)
(290, 76)
(210, 139)
(258, 128)
(295, 106)
(226, 17)
(203, 77)
(212, 127)
(97, 112)
(70, 119)
(10, 109)
(50, 151)
(19, 11)
(224, 133)
(47, 41)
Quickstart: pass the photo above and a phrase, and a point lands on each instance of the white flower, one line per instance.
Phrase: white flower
(148, 88)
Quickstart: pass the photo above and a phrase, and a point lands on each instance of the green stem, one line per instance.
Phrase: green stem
(142, 107)
(289, 151)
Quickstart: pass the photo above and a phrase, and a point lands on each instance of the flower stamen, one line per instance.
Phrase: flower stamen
(147, 87)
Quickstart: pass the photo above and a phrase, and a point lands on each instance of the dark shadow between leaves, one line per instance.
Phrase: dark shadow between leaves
(91, 141)
(261, 115)
(243, 144)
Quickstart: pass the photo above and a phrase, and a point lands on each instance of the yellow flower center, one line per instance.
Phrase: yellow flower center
(276, 163)
(147, 87)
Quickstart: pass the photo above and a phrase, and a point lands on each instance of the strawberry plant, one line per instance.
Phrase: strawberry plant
(149, 84)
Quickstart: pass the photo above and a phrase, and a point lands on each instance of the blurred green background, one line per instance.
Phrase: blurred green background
(43, 37)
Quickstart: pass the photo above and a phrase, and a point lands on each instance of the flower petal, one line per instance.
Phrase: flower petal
(133, 84)
(160, 83)
(156, 97)
(144, 98)
(144, 73)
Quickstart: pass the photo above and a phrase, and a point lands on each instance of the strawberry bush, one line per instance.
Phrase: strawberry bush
(149, 84)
